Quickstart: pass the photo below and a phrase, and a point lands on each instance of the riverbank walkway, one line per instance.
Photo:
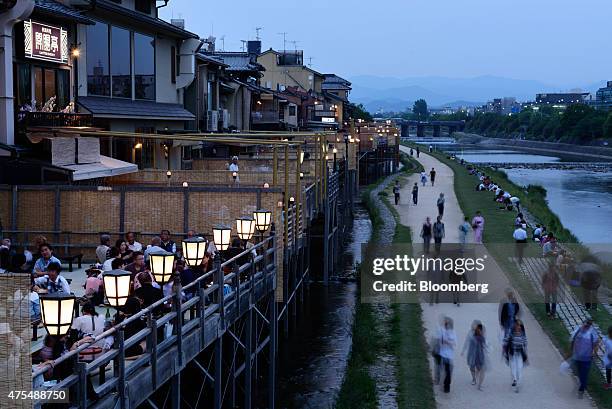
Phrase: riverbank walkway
(543, 386)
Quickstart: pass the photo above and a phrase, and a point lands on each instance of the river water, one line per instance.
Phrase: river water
(580, 198)
(312, 362)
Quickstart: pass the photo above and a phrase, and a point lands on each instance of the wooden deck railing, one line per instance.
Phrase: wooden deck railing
(196, 323)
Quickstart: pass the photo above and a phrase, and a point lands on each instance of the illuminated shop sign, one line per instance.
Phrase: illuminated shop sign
(45, 42)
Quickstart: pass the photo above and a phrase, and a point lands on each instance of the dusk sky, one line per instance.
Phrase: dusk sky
(560, 42)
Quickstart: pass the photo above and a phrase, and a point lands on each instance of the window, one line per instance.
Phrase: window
(51, 82)
(144, 66)
(24, 84)
(121, 71)
(291, 110)
(98, 79)
(144, 6)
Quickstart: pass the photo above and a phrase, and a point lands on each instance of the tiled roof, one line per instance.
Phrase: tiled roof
(211, 59)
(56, 9)
(236, 61)
(127, 108)
(332, 81)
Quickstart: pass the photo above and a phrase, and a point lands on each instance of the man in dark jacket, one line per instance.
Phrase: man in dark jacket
(147, 293)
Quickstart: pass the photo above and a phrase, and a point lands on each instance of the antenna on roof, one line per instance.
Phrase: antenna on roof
(294, 42)
(310, 62)
(222, 38)
(243, 45)
(257, 30)
(284, 34)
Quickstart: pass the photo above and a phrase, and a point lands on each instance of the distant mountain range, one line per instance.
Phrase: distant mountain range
(396, 94)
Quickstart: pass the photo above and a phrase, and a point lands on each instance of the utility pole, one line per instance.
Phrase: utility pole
(284, 34)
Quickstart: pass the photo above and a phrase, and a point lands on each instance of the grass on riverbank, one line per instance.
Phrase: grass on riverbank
(406, 341)
(498, 230)
(358, 388)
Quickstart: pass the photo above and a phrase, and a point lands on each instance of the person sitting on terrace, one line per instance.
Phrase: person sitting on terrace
(93, 286)
(103, 248)
(126, 253)
(166, 243)
(7, 245)
(147, 293)
(113, 255)
(136, 267)
(52, 281)
(537, 233)
(47, 257)
(131, 307)
(54, 347)
(133, 245)
(154, 247)
(88, 326)
(233, 167)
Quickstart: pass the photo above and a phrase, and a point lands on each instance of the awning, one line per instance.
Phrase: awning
(103, 107)
(106, 167)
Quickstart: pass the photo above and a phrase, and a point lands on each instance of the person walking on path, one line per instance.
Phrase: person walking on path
(415, 193)
(464, 228)
(440, 204)
(447, 340)
(432, 176)
(584, 346)
(423, 178)
(396, 192)
(608, 358)
(509, 312)
(426, 235)
(478, 223)
(590, 281)
(418, 150)
(550, 285)
(520, 240)
(477, 350)
(515, 352)
(438, 234)
(411, 152)
(430, 148)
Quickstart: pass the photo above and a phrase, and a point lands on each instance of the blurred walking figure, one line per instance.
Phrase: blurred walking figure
(440, 204)
(464, 228)
(584, 346)
(550, 284)
(477, 351)
(418, 150)
(509, 312)
(446, 342)
(608, 358)
(423, 178)
(396, 192)
(438, 234)
(432, 176)
(415, 193)
(478, 223)
(426, 235)
(435, 274)
(515, 352)
(411, 152)
(590, 281)
(520, 239)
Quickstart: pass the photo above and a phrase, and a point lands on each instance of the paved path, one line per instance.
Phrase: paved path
(543, 385)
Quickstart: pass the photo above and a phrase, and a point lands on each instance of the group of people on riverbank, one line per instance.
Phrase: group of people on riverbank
(584, 343)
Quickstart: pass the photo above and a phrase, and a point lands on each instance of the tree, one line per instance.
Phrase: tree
(607, 127)
(358, 111)
(420, 109)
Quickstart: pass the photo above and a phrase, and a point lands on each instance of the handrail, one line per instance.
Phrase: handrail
(150, 309)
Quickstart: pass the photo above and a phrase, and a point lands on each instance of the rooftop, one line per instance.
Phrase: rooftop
(235, 61)
(120, 107)
(55, 9)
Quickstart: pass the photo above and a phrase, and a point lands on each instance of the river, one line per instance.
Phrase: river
(580, 198)
(312, 362)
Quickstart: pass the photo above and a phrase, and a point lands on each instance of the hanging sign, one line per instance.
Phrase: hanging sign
(45, 42)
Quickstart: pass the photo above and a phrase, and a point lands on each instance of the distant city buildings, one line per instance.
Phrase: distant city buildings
(603, 97)
(561, 99)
